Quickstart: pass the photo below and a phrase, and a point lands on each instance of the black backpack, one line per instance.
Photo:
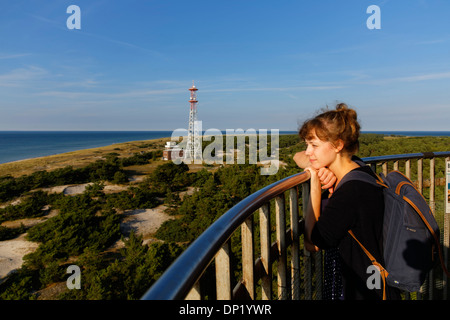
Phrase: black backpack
(410, 232)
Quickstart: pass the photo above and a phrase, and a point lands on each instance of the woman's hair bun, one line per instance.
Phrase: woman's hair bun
(341, 107)
(350, 113)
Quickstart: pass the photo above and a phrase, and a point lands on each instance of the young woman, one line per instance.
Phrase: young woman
(332, 278)
(332, 140)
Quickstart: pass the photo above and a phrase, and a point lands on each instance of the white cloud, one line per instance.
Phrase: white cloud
(266, 89)
(386, 80)
(21, 76)
(425, 77)
(13, 56)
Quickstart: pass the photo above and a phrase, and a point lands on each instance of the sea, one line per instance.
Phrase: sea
(20, 145)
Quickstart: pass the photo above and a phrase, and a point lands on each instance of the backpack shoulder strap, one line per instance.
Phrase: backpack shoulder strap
(362, 176)
(383, 271)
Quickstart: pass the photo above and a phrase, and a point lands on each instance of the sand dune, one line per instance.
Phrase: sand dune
(143, 222)
(12, 252)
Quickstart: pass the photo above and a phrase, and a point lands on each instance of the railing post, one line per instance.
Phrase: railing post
(433, 209)
(408, 175)
(385, 168)
(446, 242)
(266, 279)
(248, 262)
(420, 188)
(281, 242)
(194, 294)
(295, 259)
(432, 186)
(307, 263)
(420, 175)
(396, 166)
(408, 168)
(223, 273)
(319, 274)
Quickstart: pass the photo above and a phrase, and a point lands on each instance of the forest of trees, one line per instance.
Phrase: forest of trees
(88, 224)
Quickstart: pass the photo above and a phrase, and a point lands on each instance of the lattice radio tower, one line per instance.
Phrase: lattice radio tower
(194, 146)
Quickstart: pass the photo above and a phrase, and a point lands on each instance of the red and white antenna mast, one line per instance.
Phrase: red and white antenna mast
(194, 146)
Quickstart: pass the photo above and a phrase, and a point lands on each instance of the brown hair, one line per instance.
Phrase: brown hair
(332, 125)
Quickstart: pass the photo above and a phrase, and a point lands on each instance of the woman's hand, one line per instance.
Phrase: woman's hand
(327, 179)
(324, 177)
(316, 185)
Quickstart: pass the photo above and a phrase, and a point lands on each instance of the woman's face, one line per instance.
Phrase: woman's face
(321, 153)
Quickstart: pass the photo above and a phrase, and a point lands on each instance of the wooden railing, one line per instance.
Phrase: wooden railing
(265, 259)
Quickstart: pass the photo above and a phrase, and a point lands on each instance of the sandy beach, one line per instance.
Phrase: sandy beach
(79, 158)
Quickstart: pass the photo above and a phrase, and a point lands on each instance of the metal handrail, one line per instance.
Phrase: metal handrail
(179, 278)
(183, 274)
(397, 157)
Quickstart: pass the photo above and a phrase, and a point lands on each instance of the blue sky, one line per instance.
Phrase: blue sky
(257, 64)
